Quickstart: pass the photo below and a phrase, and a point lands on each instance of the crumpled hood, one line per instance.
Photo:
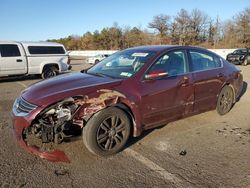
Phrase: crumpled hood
(60, 87)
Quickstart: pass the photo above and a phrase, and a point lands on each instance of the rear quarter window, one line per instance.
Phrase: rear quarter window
(9, 50)
(204, 61)
(46, 50)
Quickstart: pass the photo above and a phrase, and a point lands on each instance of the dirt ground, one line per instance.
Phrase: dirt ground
(205, 150)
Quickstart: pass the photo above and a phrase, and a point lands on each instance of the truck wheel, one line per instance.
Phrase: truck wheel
(107, 131)
(97, 61)
(225, 100)
(49, 72)
(245, 62)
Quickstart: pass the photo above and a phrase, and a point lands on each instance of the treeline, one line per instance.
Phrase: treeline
(185, 28)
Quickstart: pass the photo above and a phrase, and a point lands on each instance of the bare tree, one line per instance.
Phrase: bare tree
(161, 24)
(198, 25)
(187, 28)
(181, 26)
(243, 27)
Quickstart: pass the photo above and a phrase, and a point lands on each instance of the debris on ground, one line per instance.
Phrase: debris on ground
(238, 131)
(61, 172)
(183, 152)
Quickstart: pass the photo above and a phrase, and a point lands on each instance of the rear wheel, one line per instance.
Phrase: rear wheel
(97, 61)
(245, 62)
(49, 72)
(107, 131)
(225, 100)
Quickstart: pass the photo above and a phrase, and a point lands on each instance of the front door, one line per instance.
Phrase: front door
(170, 97)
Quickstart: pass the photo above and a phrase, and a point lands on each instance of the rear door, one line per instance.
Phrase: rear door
(208, 75)
(12, 60)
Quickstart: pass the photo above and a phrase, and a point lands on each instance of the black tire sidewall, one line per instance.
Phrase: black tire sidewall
(245, 62)
(47, 70)
(97, 61)
(91, 128)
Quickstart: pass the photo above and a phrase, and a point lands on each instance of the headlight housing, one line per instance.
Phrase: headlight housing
(21, 107)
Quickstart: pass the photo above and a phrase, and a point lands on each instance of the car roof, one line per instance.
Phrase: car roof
(158, 48)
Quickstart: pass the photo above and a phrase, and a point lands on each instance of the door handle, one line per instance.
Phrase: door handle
(220, 75)
(184, 81)
(19, 60)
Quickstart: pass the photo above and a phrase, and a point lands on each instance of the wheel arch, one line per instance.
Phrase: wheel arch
(110, 98)
(45, 65)
(130, 113)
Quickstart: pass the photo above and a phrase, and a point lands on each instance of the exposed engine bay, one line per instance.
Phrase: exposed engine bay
(55, 124)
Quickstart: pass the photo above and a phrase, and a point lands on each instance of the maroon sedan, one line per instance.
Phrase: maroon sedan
(130, 91)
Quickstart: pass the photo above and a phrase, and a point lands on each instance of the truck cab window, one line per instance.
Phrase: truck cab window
(9, 50)
(46, 50)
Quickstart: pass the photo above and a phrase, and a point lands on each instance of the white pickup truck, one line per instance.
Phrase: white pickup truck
(24, 58)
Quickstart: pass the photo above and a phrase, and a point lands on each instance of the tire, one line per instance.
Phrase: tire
(107, 131)
(225, 100)
(245, 62)
(49, 72)
(97, 61)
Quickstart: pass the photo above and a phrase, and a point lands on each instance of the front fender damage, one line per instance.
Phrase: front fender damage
(62, 121)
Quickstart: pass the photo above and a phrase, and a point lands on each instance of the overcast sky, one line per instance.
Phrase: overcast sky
(35, 20)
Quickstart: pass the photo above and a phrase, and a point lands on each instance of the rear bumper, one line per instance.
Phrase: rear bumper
(65, 67)
(19, 125)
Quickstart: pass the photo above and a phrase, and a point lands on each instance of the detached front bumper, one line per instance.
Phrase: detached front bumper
(20, 123)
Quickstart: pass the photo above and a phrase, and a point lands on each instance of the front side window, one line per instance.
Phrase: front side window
(46, 50)
(173, 63)
(204, 61)
(9, 50)
(123, 64)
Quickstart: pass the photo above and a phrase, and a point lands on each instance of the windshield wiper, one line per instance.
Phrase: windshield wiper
(97, 74)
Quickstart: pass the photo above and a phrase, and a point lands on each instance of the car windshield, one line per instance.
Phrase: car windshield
(123, 64)
(240, 51)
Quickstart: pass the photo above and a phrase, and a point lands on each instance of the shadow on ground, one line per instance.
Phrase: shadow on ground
(243, 91)
(19, 78)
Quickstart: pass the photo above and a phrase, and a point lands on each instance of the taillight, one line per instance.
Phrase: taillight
(237, 75)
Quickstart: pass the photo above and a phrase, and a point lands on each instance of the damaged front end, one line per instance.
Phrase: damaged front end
(34, 128)
(40, 130)
(55, 122)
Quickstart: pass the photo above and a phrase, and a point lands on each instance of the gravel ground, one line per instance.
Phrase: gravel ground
(205, 150)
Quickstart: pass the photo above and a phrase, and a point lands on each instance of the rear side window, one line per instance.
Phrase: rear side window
(46, 50)
(9, 50)
(204, 61)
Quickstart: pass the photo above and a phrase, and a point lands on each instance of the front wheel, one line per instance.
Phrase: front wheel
(107, 131)
(225, 100)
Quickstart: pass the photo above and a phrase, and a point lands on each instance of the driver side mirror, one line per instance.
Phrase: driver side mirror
(156, 74)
